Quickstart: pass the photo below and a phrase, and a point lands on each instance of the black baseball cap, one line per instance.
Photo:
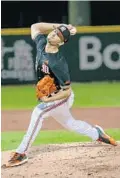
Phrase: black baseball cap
(63, 32)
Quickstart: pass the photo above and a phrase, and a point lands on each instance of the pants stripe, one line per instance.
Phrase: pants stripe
(38, 120)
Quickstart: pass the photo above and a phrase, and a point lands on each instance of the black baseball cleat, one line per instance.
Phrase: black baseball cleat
(16, 160)
(103, 137)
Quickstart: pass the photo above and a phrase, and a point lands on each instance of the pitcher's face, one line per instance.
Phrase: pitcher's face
(53, 38)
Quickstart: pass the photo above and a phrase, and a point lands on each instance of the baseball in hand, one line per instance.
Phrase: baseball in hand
(72, 29)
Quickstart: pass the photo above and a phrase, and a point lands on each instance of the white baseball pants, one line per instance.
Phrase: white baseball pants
(60, 111)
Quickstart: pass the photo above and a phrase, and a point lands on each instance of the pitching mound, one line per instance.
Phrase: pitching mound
(74, 160)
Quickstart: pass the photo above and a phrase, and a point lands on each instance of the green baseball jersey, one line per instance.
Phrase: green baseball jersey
(56, 67)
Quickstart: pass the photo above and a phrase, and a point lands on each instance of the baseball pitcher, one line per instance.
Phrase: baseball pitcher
(53, 89)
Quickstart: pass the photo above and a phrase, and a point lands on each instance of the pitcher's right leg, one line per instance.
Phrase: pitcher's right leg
(33, 129)
(19, 157)
(41, 111)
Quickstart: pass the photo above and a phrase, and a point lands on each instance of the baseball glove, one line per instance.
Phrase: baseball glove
(45, 87)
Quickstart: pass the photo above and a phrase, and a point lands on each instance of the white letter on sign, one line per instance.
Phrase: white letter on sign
(85, 53)
(107, 56)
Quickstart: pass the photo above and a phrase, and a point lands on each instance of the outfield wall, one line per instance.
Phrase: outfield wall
(92, 55)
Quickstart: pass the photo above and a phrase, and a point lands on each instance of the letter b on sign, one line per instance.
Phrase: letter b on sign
(85, 53)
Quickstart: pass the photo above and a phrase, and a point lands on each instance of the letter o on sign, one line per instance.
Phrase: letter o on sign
(107, 55)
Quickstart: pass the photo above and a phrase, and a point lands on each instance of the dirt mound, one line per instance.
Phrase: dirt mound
(77, 160)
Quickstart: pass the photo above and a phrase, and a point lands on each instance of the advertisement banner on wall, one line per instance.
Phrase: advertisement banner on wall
(17, 60)
(91, 56)
(94, 57)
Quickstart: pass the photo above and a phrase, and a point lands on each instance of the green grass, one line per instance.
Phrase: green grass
(97, 94)
(86, 95)
(10, 140)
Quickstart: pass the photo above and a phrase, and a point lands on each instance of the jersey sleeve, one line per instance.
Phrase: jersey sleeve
(40, 41)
